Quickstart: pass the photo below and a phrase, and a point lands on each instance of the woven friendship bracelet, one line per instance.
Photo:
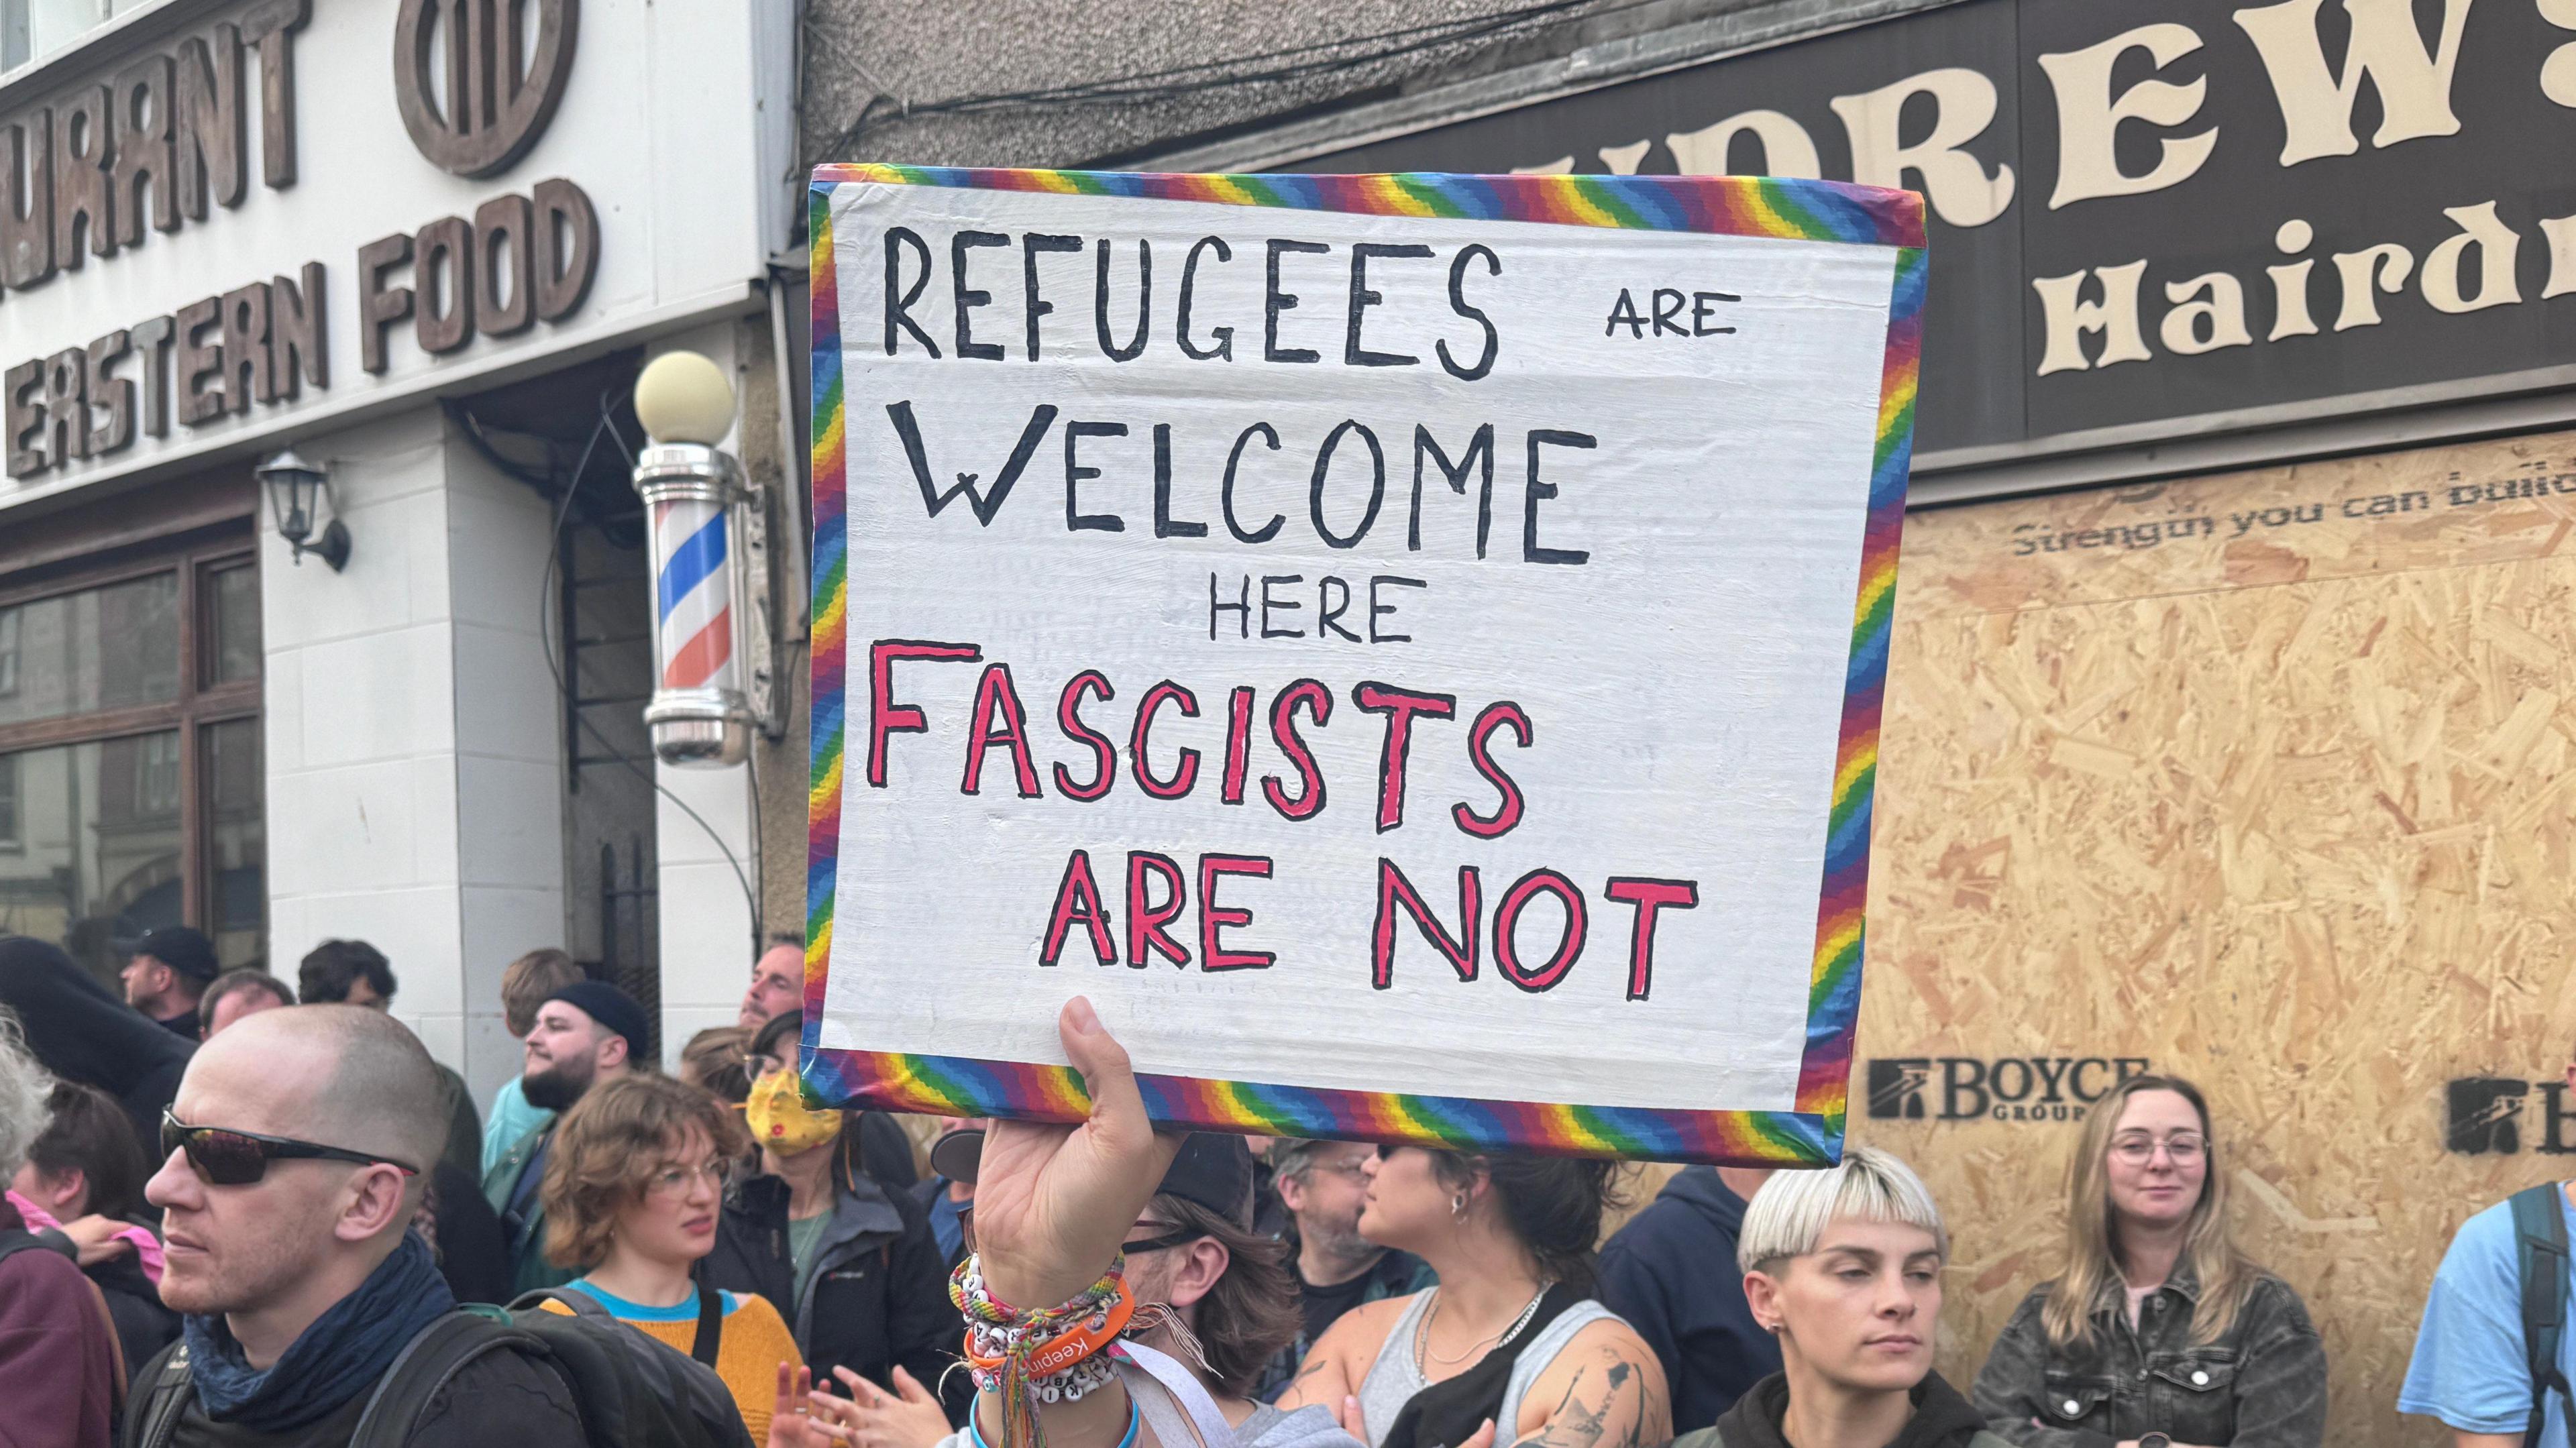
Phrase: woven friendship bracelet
(1061, 1354)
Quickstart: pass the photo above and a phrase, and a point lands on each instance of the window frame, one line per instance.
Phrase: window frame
(198, 705)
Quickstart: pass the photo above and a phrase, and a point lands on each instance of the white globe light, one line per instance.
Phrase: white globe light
(684, 397)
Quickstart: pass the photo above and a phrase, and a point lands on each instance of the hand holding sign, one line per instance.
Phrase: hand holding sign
(1053, 1202)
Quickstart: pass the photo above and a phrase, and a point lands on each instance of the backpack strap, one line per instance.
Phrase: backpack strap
(2540, 1255)
(710, 1336)
(424, 1368)
(151, 1420)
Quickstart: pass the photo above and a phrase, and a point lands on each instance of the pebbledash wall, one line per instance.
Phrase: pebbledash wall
(232, 228)
(2229, 726)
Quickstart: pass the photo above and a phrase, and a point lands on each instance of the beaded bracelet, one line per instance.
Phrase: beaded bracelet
(1055, 1355)
(988, 1351)
(1135, 1425)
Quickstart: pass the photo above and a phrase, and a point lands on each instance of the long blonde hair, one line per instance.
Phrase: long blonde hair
(2092, 1248)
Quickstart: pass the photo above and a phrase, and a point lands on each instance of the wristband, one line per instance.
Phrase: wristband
(1135, 1423)
(1055, 1355)
(989, 1350)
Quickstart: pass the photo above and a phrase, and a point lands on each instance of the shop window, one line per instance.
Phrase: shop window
(130, 781)
(30, 29)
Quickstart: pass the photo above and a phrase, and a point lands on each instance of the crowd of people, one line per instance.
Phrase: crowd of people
(246, 1213)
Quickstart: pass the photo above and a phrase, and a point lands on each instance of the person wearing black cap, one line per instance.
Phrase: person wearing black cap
(171, 968)
(1219, 1294)
(586, 1032)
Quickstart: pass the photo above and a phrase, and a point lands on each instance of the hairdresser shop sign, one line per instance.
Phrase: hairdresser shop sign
(1408, 648)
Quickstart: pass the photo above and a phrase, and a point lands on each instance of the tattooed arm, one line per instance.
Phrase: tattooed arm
(1606, 1390)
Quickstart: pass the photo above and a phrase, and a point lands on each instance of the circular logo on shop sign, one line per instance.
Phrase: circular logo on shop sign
(475, 87)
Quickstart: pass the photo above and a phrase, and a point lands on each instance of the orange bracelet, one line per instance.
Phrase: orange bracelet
(1075, 1344)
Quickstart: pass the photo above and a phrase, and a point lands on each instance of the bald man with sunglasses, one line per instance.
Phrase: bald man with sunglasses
(291, 1168)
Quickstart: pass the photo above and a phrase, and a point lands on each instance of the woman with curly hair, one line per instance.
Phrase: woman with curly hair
(632, 1191)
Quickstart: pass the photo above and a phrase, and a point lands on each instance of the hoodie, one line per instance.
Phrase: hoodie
(1671, 1273)
(1942, 1419)
(81, 1033)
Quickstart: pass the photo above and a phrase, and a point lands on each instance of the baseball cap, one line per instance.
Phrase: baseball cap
(184, 950)
(1213, 1170)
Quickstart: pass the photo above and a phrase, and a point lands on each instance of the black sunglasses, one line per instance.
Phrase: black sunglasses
(229, 1158)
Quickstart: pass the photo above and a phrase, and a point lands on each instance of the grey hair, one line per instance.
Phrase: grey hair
(1788, 1216)
(24, 1085)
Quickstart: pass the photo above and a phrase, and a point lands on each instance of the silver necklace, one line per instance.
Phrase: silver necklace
(1422, 1334)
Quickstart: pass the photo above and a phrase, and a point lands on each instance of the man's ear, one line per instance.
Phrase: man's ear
(1292, 1189)
(612, 1049)
(377, 1198)
(1202, 1263)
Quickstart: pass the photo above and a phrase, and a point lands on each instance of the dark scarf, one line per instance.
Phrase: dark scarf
(345, 1350)
(1942, 1419)
(1449, 1412)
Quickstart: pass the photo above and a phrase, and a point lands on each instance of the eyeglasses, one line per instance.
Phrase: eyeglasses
(229, 1158)
(675, 1181)
(1347, 1170)
(1169, 1237)
(2139, 1150)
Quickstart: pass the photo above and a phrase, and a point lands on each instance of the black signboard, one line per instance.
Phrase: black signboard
(2143, 214)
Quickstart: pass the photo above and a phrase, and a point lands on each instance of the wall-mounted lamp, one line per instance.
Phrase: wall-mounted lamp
(295, 492)
(708, 531)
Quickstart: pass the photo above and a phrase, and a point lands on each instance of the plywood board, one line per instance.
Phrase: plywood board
(2266, 780)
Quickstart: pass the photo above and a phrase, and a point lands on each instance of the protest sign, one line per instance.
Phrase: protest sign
(1407, 648)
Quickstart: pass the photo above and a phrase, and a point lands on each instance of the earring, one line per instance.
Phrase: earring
(1458, 1207)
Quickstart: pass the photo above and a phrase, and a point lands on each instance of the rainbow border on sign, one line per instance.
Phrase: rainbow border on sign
(1809, 1135)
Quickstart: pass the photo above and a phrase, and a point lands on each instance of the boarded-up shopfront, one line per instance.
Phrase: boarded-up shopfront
(2229, 721)
(2266, 779)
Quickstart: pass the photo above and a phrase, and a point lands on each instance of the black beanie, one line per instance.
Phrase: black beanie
(613, 1009)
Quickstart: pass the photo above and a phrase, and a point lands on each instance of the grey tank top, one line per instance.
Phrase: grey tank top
(1395, 1377)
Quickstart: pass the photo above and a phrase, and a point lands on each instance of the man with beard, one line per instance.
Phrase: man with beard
(586, 1032)
(295, 1148)
(777, 983)
(1324, 1187)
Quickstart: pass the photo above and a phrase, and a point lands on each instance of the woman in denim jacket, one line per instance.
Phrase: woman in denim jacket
(2158, 1333)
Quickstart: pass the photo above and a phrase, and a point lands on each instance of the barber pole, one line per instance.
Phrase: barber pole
(699, 715)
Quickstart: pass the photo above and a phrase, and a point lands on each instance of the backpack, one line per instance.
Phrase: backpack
(633, 1392)
(2540, 1256)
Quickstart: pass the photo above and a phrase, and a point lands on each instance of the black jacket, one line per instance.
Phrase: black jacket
(1942, 1419)
(143, 1325)
(81, 1033)
(2261, 1385)
(1671, 1273)
(875, 1294)
(499, 1398)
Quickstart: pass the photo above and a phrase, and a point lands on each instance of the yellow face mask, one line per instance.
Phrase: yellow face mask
(781, 1121)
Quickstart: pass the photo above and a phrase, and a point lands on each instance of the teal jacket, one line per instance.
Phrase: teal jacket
(526, 1241)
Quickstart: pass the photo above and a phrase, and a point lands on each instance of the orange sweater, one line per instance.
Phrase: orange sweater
(755, 1342)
